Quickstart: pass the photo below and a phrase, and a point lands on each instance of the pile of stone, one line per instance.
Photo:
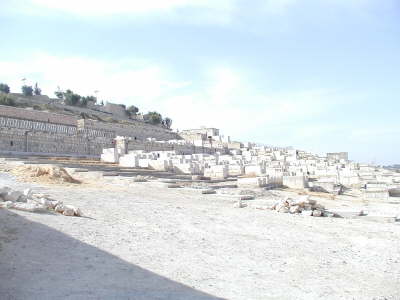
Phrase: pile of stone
(28, 201)
(44, 173)
(303, 205)
(140, 178)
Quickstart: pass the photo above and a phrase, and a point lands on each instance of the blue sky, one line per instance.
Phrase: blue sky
(317, 75)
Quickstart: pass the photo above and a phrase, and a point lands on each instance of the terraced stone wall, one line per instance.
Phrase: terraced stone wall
(25, 130)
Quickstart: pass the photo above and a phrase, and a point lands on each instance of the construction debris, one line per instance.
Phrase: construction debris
(31, 202)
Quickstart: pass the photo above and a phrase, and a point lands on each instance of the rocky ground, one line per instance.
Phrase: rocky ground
(144, 241)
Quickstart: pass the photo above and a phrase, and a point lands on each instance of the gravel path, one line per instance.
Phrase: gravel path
(145, 241)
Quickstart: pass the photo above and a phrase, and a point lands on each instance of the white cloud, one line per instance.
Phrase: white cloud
(229, 101)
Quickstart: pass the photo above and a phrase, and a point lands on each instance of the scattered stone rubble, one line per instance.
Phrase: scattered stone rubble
(32, 202)
(303, 205)
(140, 178)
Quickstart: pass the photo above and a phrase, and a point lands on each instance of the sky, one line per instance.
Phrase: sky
(318, 75)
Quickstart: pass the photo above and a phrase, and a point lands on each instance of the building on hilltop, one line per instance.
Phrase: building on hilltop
(209, 137)
(337, 156)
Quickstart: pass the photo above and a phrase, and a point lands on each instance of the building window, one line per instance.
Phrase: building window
(11, 143)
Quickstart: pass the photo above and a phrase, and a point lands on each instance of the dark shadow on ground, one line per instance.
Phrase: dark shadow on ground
(38, 262)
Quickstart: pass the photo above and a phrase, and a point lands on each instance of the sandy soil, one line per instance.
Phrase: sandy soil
(144, 241)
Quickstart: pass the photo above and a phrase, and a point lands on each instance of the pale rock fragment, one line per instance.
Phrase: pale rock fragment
(317, 213)
(12, 196)
(294, 209)
(68, 211)
(30, 207)
(239, 204)
(77, 212)
(328, 214)
(27, 192)
(59, 208)
(307, 213)
(283, 209)
(139, 178)
(307, 207)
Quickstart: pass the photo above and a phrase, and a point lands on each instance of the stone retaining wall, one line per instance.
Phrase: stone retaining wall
(29, 125)
(134, 129)
(35, 115)
(154, 146)
(20, 140)
(23, 130)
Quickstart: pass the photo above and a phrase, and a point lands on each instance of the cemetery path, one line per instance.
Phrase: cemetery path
(144, 241)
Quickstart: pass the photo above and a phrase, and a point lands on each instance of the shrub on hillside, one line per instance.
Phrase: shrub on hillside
(153, 117)
(73, 99)
(6, 100)
(4, 88)
(132, 110)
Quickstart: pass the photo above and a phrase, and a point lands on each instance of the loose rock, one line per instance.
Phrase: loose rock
(302, 205)
(209, 191)
(28, 201)
(317, 213)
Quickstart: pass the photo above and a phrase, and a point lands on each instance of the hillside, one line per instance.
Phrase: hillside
(109, 113)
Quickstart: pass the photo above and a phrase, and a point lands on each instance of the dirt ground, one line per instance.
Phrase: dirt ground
(145, 241)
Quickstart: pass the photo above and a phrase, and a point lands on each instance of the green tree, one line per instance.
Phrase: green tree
(70, 98)
(59, 94)
(167, 122)
(4, 88)
(37, 91)
(132, 110)
(27, 90)
(85, 100)
(91, 99)
(153, 117)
